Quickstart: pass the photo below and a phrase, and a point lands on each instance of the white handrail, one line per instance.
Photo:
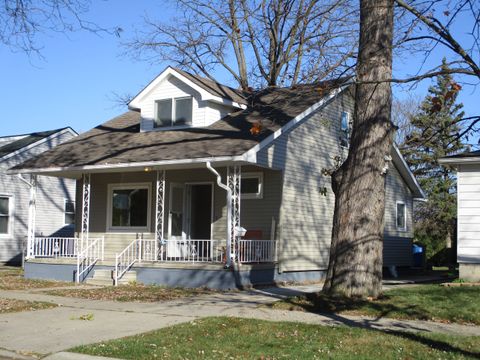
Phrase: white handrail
(89, 256)
(126, 259)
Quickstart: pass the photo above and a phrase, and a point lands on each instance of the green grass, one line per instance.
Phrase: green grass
(131, 292)
(13, 305)
(423, 302)
(233, 338)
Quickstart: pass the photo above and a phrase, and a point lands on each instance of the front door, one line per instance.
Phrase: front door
(199, 211)
(190, 211)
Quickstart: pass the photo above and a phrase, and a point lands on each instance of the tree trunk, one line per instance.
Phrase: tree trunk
(355, 266)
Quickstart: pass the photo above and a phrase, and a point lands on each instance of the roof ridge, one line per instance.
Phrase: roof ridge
(37, 132)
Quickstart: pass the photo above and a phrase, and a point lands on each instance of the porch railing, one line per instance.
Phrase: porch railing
(55, 247)
(89, 256)
(191, 250)
(125, 260)
(256, 251)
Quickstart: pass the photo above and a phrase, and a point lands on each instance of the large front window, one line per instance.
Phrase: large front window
(173, 112)
(129, 206)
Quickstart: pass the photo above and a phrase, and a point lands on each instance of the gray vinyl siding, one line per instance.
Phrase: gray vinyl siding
(304, 228)
(51, 195)
(305, 219)
(397, 244)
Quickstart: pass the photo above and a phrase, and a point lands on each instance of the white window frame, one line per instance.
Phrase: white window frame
(404, 228)
(173, 114)
(253, 175)
(342, 133)
(65, 211)
(127, 186)
(11, 205)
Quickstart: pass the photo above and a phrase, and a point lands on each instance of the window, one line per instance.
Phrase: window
(5, 214)
(129, 207)
(173, 112)
(251, 186)
(345, 129)
(69, 212)
(401, 216)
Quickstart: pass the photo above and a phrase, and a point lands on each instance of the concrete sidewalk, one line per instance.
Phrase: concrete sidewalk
(53, 330)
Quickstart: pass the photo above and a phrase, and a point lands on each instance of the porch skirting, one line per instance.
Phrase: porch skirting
(191, 276)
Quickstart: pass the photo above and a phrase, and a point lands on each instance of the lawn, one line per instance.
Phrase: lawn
(234, 338)
(13, 305)
(423, 302)
(12, 279)
(131, 292)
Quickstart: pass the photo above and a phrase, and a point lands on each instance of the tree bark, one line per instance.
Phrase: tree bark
(355, 266)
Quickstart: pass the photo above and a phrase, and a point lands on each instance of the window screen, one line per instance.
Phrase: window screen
(164, 113)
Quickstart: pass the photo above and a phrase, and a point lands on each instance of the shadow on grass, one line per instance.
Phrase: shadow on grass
(320, 303)
(433, 343)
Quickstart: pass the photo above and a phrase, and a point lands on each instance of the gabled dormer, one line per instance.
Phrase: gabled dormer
(176, 100)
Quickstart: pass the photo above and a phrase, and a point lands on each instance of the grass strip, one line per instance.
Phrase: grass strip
(234, 338)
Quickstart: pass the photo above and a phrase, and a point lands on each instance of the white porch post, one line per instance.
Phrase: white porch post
(85, 210)
(234, 175)
(159, 210)
(31, 217)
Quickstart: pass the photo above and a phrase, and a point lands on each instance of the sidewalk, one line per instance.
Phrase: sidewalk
(53, 330)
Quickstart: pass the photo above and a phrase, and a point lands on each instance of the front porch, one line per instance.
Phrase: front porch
(162, 219)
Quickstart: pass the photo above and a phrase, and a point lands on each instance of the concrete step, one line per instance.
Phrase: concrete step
(104, 277)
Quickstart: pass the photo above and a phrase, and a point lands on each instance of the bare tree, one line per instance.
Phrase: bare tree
(22, 21)
(435, 26)
(403, 110)
(258, 42)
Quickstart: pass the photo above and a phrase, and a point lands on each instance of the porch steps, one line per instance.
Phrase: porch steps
(103, 277)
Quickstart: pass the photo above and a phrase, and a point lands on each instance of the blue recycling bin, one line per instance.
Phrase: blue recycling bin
(418, 255)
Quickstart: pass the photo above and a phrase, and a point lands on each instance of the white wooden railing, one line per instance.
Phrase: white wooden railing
(54, 247)
(191, 250)
(88, 256)
(256, 251)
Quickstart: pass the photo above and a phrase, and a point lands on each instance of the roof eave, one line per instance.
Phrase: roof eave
(407, 174)
(205, 95)
(474, 160)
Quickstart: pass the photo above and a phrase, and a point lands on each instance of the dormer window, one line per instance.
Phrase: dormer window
(173, 112)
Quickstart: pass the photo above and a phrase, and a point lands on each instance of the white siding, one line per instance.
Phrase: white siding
(468, 183)
(204, 113)
(51, 194)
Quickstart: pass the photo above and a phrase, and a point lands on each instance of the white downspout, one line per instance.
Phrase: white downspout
(229, 212)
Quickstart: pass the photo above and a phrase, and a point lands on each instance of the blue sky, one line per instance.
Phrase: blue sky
(74, 83)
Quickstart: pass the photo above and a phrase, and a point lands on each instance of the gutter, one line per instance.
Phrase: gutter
(229, 213)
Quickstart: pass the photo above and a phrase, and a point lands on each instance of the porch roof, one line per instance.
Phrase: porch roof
(119, 143)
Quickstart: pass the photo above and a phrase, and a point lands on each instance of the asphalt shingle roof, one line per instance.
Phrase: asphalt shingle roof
(120, 141)
(28, 139)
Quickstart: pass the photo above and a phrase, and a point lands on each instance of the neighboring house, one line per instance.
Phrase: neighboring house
(55, 196)
(153, 186)
(468, 212)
